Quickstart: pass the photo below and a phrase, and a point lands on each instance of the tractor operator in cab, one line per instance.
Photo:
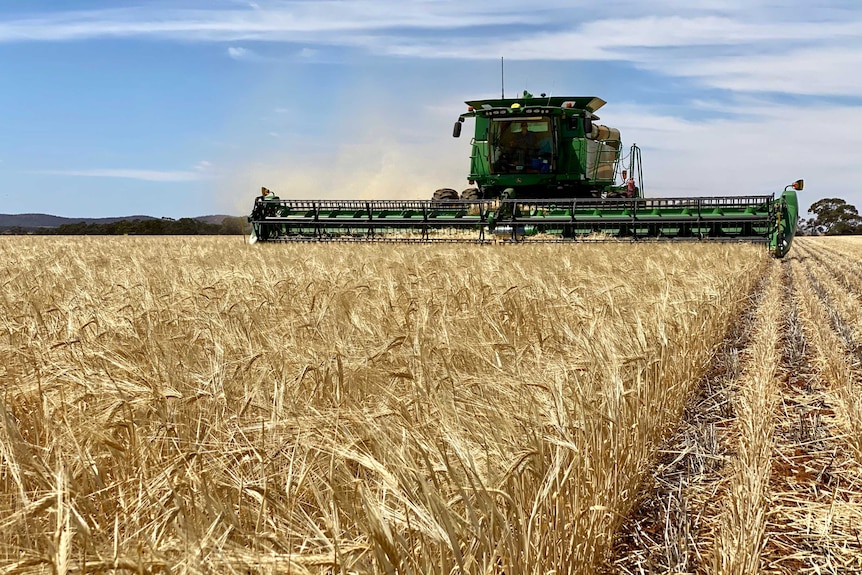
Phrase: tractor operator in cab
(528, 146)
(523, 149)
(525, 140)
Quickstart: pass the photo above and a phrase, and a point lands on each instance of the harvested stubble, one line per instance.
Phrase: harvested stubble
(203, 406)
(740, 533)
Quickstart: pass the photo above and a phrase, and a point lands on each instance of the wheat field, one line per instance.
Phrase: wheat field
(199, 405)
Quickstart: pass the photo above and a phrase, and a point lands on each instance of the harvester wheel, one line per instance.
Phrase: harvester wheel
(444, 195)
(471, 194)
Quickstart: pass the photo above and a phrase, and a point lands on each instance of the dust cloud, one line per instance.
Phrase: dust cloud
(380, 158)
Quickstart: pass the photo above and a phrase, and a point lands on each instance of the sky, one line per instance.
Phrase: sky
(187, 107)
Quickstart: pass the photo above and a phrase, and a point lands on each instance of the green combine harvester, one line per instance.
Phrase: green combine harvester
(541, 169)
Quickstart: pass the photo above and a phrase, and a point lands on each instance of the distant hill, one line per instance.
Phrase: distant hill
(42, 221)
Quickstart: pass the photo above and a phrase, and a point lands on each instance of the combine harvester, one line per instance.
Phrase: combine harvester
(543, 169)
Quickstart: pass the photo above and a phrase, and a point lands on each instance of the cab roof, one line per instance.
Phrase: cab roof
(589, 103)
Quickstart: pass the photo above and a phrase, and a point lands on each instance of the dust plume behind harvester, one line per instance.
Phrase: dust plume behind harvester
(541, 169)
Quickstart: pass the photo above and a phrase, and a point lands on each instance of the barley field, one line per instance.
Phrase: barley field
(199, 405)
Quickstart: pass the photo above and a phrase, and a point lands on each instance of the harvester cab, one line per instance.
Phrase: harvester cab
(546, 147)
(540, 169)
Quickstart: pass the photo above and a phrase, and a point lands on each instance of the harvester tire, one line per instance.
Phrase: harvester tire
(444, 195)
(471, 194)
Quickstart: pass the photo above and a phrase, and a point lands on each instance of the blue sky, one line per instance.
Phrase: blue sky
(187, 107)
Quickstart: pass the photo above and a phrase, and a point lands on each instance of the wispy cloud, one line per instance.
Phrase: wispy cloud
(661, 23)
(132, 174)
(284, 21)
(728, 44)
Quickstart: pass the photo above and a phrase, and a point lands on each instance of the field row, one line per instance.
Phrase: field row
(764, 473)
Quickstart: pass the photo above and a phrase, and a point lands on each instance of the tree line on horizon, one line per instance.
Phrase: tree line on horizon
(231, 225)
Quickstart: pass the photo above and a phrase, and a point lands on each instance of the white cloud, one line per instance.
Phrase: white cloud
(814, 71)
(239, 53)
(614, 39)
(792, 58)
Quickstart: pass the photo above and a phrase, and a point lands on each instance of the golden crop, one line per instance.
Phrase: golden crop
(200, 405)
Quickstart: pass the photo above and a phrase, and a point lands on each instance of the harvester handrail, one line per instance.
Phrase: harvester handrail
(647, 203)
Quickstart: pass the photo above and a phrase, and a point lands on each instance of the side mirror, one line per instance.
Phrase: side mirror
(456, 131)
(798, 184)
(588, 125)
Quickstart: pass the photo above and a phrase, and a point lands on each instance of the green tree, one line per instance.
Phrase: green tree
(834, 216)
(232, 225)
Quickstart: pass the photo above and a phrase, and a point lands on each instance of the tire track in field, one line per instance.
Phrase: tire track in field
(846, 270)
(841, 302)
(835, 247)
(672, 529)
(840, 291)
(840, 350)
(815, 484)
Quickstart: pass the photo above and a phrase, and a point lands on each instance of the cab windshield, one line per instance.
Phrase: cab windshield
(523, 145)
